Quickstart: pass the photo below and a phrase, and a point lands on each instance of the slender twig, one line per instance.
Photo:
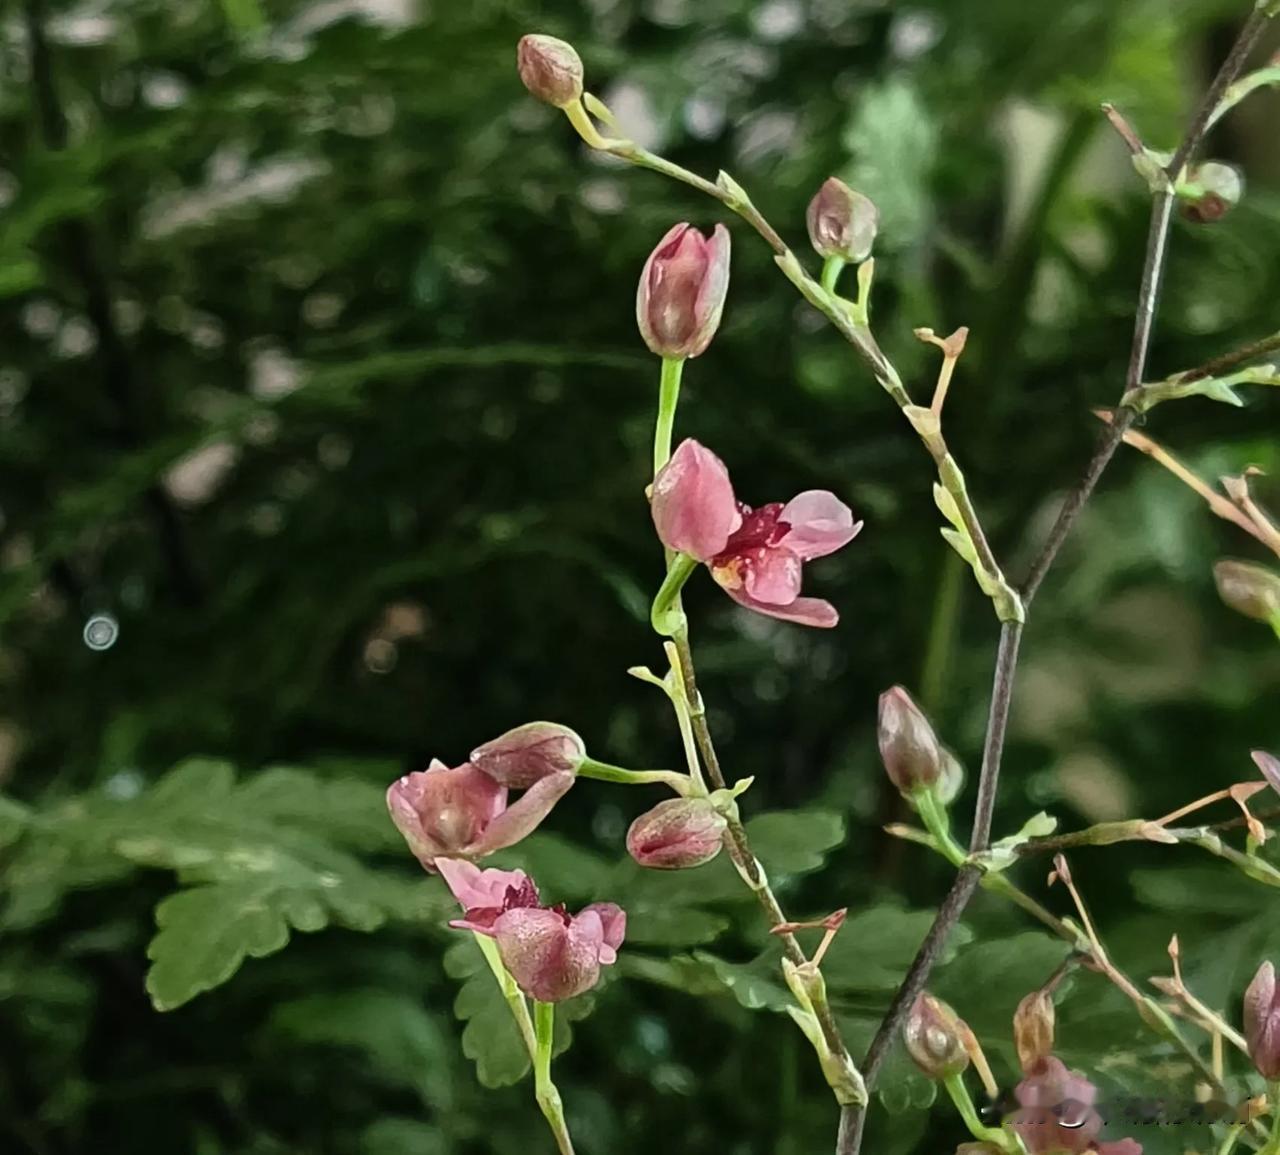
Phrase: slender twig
(1148, 298)
(118, 375)
(1219, 365)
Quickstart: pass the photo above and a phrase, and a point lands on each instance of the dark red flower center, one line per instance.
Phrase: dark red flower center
(761, 529)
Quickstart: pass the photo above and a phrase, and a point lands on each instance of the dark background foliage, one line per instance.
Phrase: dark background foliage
(319, 378)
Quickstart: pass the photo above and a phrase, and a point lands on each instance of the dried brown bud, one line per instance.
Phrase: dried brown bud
(1249, 589)
(842, 223)
(1211, 191)
(550, 69)
(1033, 1023)
(935, 1038)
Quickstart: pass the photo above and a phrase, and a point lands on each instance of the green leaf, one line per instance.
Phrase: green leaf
(261, 859)
(875, 947)
(795, 841)
(207, 932)
(757, 985)
(491, 1038)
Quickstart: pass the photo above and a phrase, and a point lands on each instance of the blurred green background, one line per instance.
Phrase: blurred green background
(322, 405)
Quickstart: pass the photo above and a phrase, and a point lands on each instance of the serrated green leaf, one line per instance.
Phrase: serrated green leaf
(205, 934)
(875, 947)
(756, 985)
(795, 841)
(673, 926)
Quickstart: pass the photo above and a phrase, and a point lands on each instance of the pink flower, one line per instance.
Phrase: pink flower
(551, 954)
(463, 813)
(1056, 1109)
(682, 291)
(756, 555)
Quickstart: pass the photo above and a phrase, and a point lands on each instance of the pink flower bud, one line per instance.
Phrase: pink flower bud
(1249, 589)
(550, 69)
(677, 833)
(842, 223)
(909, 749)
(530, 753)
(682, 291)
(935, 1038)
(694, 509)
(1262, 1022)
(463, 813)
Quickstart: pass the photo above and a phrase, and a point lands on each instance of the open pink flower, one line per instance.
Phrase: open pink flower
(1057, 1114)
(463, 813)
(551, 954)
(756, 555)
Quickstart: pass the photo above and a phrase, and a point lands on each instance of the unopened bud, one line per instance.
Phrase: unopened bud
(1262, 1022)
(1210, 192)
(551, 69)
(842, 223)
(682, 291)
(935, 1038)
(1249, 589)
(677, 834)
(530, 753)
(909, 748)
(1033, 1024)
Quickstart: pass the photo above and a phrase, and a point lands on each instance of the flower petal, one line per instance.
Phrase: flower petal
(693, 505)
(613, 927)
(803, 611)
(550, 959)
(770, 575)
(475, 888)
(1269, 765)
(820, 524)
(521, 818)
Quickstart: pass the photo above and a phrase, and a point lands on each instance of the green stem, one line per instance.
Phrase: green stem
(831, 270)
(544, 1015)
(1229, 1140)
(604, 772)
(667, 615)
(510, 992)
(969, 1113)
(668, 396)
